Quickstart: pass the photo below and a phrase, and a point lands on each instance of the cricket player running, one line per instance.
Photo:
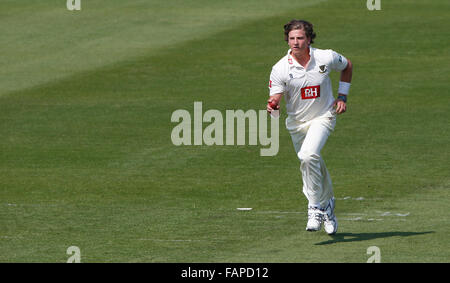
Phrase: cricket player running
(302, 76)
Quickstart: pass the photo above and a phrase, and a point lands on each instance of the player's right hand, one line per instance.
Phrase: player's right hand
(272, 104)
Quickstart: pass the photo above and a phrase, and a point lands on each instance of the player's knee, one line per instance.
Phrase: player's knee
(308, 157)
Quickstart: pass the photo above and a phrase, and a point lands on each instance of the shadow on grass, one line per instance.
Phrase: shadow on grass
(356, 237)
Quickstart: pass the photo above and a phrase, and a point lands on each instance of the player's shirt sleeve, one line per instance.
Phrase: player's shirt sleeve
(338, 62)
(276, 83)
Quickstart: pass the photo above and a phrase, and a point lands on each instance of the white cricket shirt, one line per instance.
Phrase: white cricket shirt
(307, 91)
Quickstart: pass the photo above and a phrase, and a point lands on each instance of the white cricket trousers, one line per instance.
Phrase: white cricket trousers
(308, 139)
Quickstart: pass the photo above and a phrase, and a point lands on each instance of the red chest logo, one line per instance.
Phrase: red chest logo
(310, 92)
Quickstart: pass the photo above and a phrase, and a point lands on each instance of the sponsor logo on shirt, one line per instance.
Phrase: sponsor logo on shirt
(310, 92)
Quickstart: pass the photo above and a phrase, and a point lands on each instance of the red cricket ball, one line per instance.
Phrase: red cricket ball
(273, 105)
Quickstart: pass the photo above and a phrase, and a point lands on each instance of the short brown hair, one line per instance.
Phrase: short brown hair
(299, 24)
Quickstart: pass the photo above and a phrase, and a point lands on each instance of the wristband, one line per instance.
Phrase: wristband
(343, 98)
(344, 88)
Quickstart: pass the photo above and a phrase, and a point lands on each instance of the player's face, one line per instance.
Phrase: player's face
(298, 41)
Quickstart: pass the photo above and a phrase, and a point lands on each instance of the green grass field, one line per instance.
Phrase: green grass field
(87, 160)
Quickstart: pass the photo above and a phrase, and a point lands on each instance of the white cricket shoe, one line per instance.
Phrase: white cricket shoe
(330, 223)
(315, 219)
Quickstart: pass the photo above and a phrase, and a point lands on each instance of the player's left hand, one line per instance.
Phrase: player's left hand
(340, 105)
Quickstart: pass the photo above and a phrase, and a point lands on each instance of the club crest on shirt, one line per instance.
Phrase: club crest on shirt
(323, 69)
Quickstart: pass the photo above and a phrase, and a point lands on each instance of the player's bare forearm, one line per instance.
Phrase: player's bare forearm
(346, 74)
(273, 103)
